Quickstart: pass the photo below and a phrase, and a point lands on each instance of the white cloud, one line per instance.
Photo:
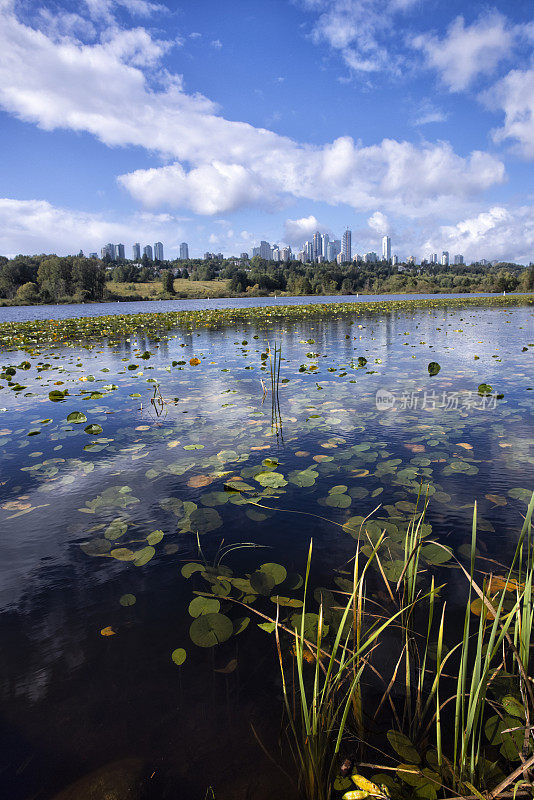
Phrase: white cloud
(103, 9)
(36, 226)
(216, 43)
(498, 233)
(514, 94)
(296, 231)
(429, 113)
(117, 91)
(379, 223)
(466, 52)
(364, 32)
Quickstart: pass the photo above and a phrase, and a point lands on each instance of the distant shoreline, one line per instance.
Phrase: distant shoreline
(13, 303)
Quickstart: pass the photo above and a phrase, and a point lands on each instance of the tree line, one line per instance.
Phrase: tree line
(64, 279)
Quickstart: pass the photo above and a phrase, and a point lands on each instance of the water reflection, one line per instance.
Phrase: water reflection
(72, 699)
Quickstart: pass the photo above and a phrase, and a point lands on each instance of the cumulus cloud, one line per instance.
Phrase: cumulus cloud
(498, 233)
(514, 94)
(117, 90)
(297, 231)
(36, 226)
(466, 52)
(379, 223)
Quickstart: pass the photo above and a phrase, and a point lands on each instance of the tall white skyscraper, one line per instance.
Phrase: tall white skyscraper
(147, 251)
(445, 259)
(346, 246)
(334, 248)
(158, 251)
(136, 252)
(317, 245)
(325, 239)
(265, 250)
(184, 251)
(386, 249)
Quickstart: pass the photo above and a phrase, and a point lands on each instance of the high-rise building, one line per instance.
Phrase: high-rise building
(308, 249)
(395, 260)
(243, 256)
(136, 252)
(285, 254)
(317, 245)
(458, 259)
(93, 255)
(147, 251)
(265, 250)
(158, 251)
(275, 253)
(346, 245)
(325, 241)
(386, 249)
(444, 259)
(184, 251)
(119, 251)
(109, 251)
(370, 258)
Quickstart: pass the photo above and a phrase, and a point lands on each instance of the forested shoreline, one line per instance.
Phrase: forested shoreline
(43, 279)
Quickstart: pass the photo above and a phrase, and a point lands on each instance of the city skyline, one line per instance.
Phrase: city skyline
(185, 134)
(318, 249)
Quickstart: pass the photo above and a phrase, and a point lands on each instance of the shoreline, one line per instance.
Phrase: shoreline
(12, 303)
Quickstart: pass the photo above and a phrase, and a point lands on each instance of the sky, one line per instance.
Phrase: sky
(224, 123)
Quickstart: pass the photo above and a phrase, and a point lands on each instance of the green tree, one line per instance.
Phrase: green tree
(168, 281)
(88, 278)
(55, 277)
(28, 293)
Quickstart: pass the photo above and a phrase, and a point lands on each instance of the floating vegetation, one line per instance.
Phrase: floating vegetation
(127, 463)
(24, 335)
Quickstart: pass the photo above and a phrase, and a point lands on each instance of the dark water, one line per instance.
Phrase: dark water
(22, 313)
(73, 699)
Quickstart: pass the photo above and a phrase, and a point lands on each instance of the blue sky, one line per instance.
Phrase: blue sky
(221, 124)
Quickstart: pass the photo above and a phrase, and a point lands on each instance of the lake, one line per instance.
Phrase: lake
(21, 313)
(108, 491)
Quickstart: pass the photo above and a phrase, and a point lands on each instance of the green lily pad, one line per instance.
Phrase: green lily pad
(127, 600)
(191, 568)
(272, 479)
(209, 630)
(76, 417)
(433, 368)
(179, 656)
(93, 429)
(403, 747)
(276, 571)
(204, 605)
(144, 555)
(205, 519)
(155, 537)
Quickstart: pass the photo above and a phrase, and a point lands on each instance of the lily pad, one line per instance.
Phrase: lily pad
(76, 417)
(209, 630)
(205, 519)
